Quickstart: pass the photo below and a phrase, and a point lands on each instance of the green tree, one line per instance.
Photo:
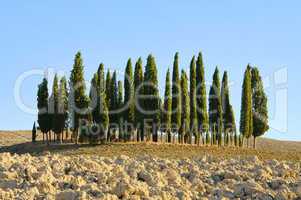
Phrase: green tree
(227, 109)
(176, 95)
(129, 99)
(215, 108)
(193, 109)
(43, 108)
(34, 132)
(79, 99)
(166, 111)
(152, 103)
(108, 88)
(54, 101)
(246, 119)
(63, 106)
(260, 107)
(113, 108)
(232, 129)
(103, 118)
(201, 98)
(120, 106)
(138, 80)
(94, 93)
(185, 118)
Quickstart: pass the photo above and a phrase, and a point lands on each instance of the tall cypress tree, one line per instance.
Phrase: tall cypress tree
(260, 109)
(63, 106)
(227, 108)
(138, 80)
(120, 96)
(113, 100)
(246, 119)
(108, 88)
(193, 110)
(94, 93)
(79, 102)
(176, 95)
(54, 103)
(42, 98)
(152, 103)
(129, 99)
(102, 109)
(185, 118)
(233, 126)
(215, 108)
(201, 98)
(120, 114)
(166, 112)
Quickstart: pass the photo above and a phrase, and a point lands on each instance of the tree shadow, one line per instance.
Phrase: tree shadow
(40, 148)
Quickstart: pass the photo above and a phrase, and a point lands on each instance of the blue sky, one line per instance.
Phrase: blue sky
(231, 34)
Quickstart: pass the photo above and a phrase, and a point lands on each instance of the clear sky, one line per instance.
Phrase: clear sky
(231, 34)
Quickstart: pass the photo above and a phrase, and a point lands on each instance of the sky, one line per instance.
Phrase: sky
(40, 35)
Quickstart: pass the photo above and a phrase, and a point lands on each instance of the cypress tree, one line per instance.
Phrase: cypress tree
(185, 118)
(94, 98)
(227, 108)
(212, 110)
(246, 119)
(114, 101)
(138, 80)
(120, 96)
(232, 129)
(166, 111)
(80, 102)
(120, 106)
(54, 103)
(260, 110)
(176, 95)
(193, 110)
(62, 107)
(152, 103)
(215, 108)
(103, 118)
(201, 98)
(34, 132)
(108, 88)
(43, 108)
(129, 99)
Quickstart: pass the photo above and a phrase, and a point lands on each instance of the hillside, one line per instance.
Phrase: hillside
(20, 142)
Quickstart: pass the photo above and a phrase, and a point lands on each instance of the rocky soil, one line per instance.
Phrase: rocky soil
(54, 176)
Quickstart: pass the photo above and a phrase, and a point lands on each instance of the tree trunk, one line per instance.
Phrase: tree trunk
(43, 137)
(47, 140)
(75, 136)
(168, 136)
(254, 143)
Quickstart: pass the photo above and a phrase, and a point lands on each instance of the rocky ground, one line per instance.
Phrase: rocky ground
(56, 176)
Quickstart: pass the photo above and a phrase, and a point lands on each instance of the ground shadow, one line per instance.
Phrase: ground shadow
(39, 147)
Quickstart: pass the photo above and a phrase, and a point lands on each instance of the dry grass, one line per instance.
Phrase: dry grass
(20, 142)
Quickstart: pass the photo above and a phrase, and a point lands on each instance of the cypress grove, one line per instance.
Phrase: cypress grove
(183, 109)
